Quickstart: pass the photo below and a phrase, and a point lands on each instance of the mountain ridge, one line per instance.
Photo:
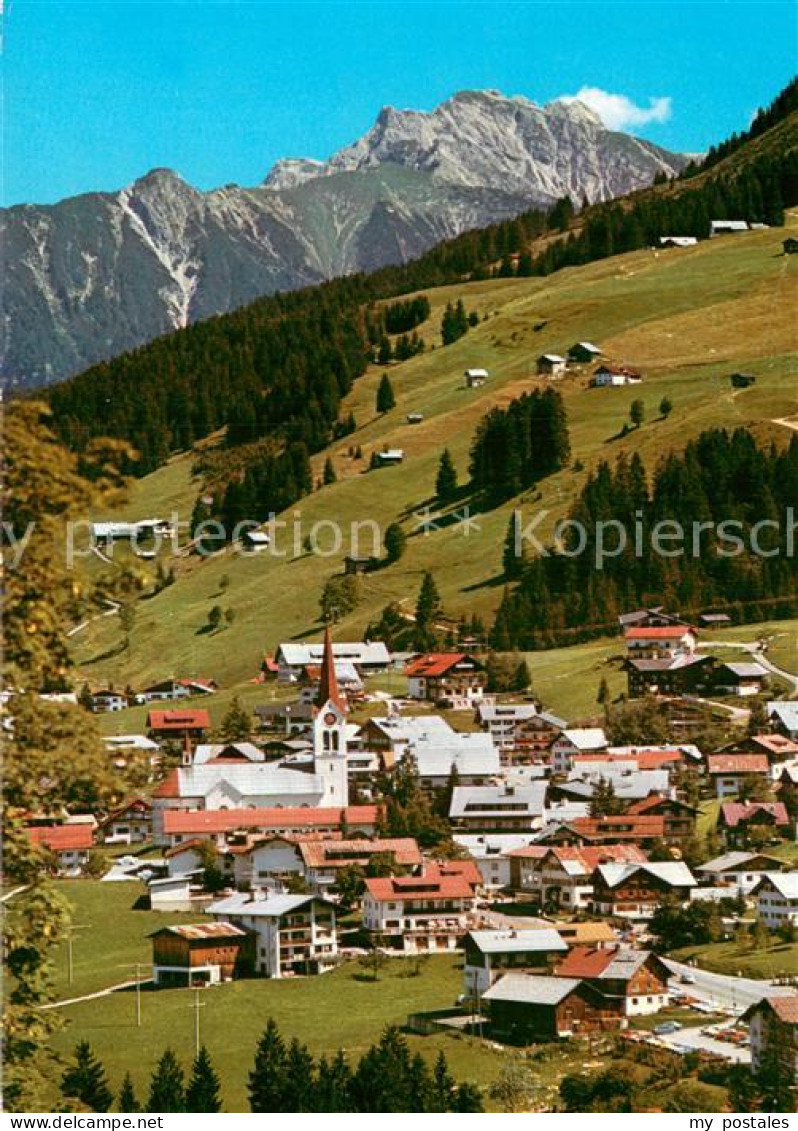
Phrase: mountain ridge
(99, 274)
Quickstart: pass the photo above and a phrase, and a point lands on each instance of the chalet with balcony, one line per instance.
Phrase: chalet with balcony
(200, 954)
(418, 914)
(489, 954)
(451, 677)
(634, 982)
(560, 878)
(635, 891)
(294, 934)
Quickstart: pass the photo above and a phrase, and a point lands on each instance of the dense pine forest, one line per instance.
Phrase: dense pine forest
(515, 447)
(280, 366)
(722, 480)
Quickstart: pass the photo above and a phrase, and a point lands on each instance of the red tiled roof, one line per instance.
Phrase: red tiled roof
(169, 787)
(776, 743)
(229, 820)
(585, 962)
(339, 853)
(733, 812)
(434, 663)
(530, 852)
(737, 764)
(660, 632)
(388, 889)
(134, 802)
(589, 856)
(785, 1007)
(62, 838)
(465, 869)
(178, 720)
(642, 807)
(645, 759)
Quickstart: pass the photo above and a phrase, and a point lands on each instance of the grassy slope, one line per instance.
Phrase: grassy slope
(688, 318)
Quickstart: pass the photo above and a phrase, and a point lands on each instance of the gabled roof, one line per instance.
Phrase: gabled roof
(733, 812)
(738, 862)
(785, 712)
(179, 720)
(785, 883)
(198, 932)
(658, 632)
(533, 989)
(623, 826)
(438, 663)
(531, 941)
(339, 853)
(782, 1003)
(230, 820)
(620, 963)
(392, 889)
(674, 873)
(737, 764)
(270, 907)
(62, 838)
(585, 738)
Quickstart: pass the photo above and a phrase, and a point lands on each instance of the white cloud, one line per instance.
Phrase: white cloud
(618, 112)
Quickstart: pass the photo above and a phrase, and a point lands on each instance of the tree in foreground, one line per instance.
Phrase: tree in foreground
(85, 1080)
(514, 1089)
(167, 1086)
(236, 724)
(203, 1089)
(126, 1101)
(267, 1080)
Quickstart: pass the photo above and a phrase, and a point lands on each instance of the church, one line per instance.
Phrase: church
(237, 775)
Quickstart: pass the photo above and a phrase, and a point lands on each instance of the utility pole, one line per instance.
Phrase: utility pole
(70, 957)
(138, 994)
(197, 1005)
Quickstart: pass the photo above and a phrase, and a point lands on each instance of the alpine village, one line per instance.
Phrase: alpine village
(338, 778)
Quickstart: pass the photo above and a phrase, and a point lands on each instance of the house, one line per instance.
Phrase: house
(356, 564)
(452, 677)
(534, 736)
(628, 783)
(625, 828)
(367, 656)
(390, 735)
(683, 674)
(489, 954)
(775, 746)
(414, 417)
(103, 702)
(475, 377)
(131, 823)
(649, 642)
(178, 725)
(738, 820)
(254, 541)
(168, 689)
(740, 679)
(635, 891)
(615, 375)
(740, 871)
(535, 1007)
(742, 380)
(551, 365)
(501, 719)
(421, 913)
(294, 934)
(292, 717)
(222, 825)
(324, 860)
(575, 740)
(181, 892)
(715, 620)
(491, 852)
(349, 680)
(497, 808)
(471, 756)
(784, 718)
(773, 1033)
(731, 772)
(591, 932)
(583, 352)
(652, 617)
(726, 227)
(635, 981)
(143, 530)
(69, 844)
(267, 861)
(560, 877)
(678, 818)
(389, 457)
(200, 954)
(790, 245)
(677, 241)
(776, 897)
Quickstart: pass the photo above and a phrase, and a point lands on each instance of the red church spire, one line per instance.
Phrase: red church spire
(328, 681)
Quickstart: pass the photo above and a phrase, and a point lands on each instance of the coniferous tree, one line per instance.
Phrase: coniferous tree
(428, 608)
(236, 725)
(446, 481)
(167, 1086)
(300, 1077)
(203, 1092)
(665, 407)
(385, 398)
(333, 1090)
(637, 412)
(85, 1080)
(395, 541)
(329, 472)
(126, 1100)
(268, 1078)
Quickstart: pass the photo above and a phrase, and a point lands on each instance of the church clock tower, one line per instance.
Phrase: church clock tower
(329, 733)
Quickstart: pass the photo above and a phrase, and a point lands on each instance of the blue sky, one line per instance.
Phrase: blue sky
(97, 94)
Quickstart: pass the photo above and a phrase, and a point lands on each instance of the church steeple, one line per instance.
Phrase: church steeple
(328, 681)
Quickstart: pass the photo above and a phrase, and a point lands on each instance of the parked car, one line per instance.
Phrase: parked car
(688, 979)
(667, 1027)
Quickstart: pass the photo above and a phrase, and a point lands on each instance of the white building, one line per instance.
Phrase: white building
(501, 719)
(418, 913)
(576, 740)
(491, 854)
(295, 934)
(473, 755)
(776, 897)
(293, 658)
(498, 808)
(489, 954)
(741, 871)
